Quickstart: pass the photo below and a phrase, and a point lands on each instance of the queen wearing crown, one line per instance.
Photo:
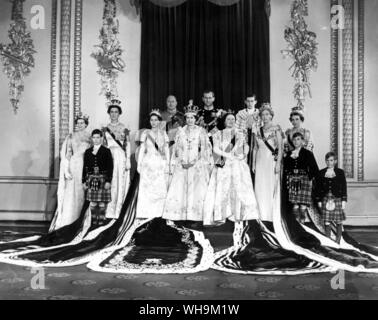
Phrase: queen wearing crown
(153, 167)
(191, 164)
(230, 194)
(117, 139)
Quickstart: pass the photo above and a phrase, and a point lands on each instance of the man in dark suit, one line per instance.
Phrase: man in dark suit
(172, 119)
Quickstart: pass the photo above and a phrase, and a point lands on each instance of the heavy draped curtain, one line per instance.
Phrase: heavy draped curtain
(193, 45)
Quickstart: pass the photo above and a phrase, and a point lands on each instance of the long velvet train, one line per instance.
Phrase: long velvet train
(189, 250)
(80, 251)
(307, 246)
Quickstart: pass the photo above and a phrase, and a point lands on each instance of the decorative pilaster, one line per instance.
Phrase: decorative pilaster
(361, 87)
(348, 90)
(334, 112)
(54, 14)
(77, 57)
(64, 91)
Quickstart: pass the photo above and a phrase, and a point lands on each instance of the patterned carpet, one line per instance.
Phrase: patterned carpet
(81, 283)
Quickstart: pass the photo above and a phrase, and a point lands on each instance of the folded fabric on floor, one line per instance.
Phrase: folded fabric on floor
(158, 246)
(124, 245)
(67, 234)
(286, 246)
(79, 250)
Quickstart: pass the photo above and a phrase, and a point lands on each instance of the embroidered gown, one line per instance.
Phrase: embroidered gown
(117, 139)
(153, 166)
(230, 194)
(267, 182)
(187, 191)
(70, 195)
(249, 123)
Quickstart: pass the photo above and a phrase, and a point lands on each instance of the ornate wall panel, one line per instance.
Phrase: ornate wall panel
(77, 56)
(348, 90)
(361, 88)
(54, 13)
(334, 116)
(64, 83)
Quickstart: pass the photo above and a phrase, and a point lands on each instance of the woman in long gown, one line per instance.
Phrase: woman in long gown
(126, 244)
(58, 244)
(267, 155)
(191, 164)
(117, 139)
(276, 243)
(230, 193)
(70, 195)
(153, 167)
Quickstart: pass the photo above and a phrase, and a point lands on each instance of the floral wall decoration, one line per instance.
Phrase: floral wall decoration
(302, 47)
(17, 56)
(108, 53)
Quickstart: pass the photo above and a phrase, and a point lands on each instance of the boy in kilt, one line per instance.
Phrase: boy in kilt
(300, 169)
(331, 194)
(97, 177)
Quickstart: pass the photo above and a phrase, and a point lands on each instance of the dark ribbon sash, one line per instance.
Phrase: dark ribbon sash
(113, 136)
(155, 145)
(274, 151)
(290, 141)
(228, 149)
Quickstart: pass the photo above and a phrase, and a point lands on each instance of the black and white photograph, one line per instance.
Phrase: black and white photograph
(188, 150)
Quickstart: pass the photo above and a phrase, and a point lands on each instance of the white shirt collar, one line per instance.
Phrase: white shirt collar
(330, 173)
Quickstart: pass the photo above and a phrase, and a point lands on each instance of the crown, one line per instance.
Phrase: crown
(190, 108)
(266, 106)
(114, 102)
(229, 111)
(82, 116)
(297, 109)
(155, 111)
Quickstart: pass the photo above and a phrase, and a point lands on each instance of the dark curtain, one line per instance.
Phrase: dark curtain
(199, 45)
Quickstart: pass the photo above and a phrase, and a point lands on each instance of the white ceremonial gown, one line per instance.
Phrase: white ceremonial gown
(70, 195)
(267, 182)
(187, 191)
(230, 194)
(153, 166)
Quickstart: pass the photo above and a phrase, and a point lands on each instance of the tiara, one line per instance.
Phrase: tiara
(114, 102)
(190, 108)
(266, 106)
(155, 111)
(297, 109)
(229, 111)
(82, 116)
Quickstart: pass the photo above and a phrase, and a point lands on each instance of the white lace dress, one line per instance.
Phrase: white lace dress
(267, 182)
(70, 188)
(187, 191)
(153, 167)
(230, 194)
(117, 139)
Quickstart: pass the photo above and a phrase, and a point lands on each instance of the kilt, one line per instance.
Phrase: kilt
(299, 189)
(96, 191)
(337, 215)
